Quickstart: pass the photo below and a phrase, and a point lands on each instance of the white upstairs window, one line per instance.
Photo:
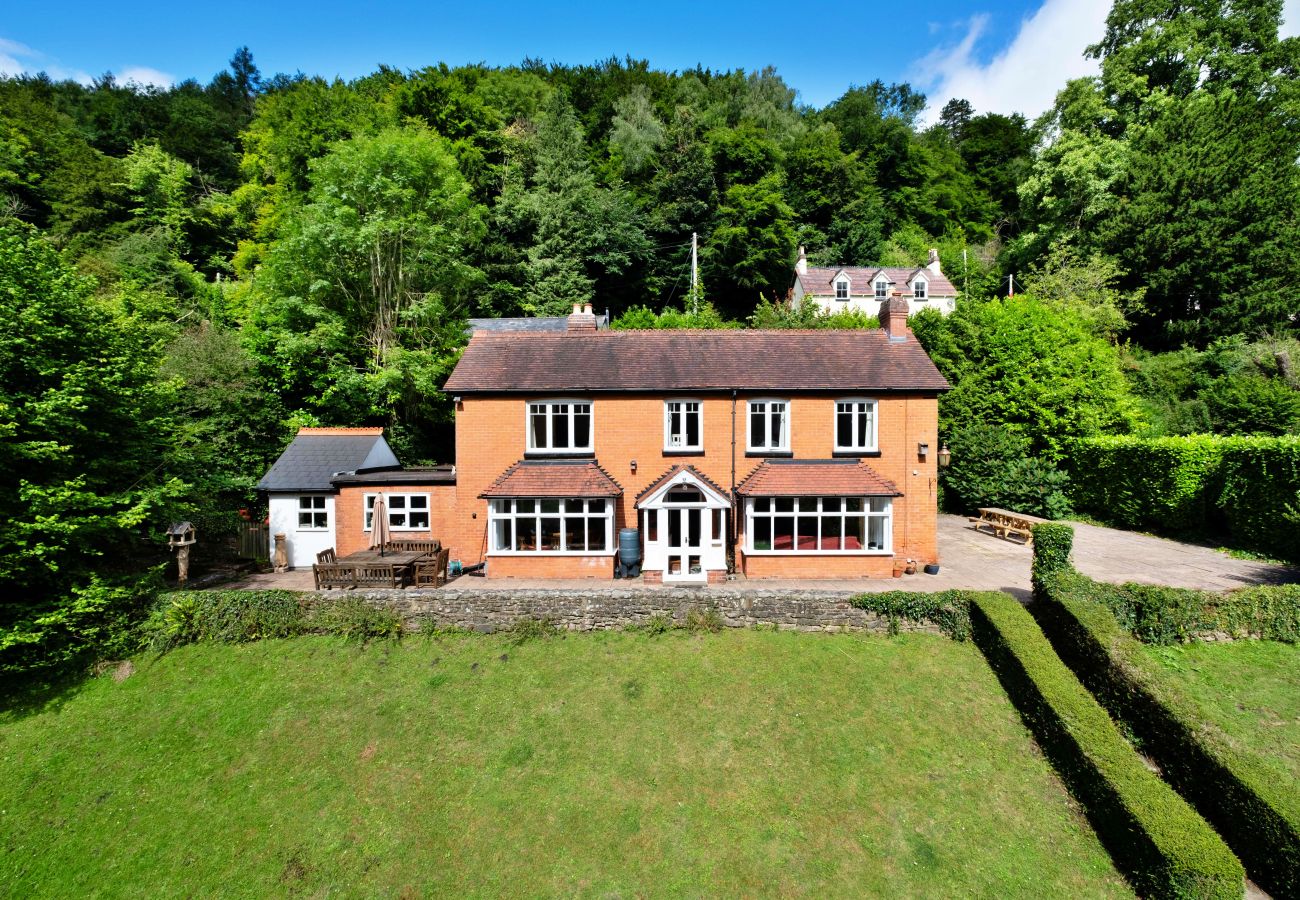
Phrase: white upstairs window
(683, 425)
(559, 426)
(769, 426)
(855, 426)
(841, 289)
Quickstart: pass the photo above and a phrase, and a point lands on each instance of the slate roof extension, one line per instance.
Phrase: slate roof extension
(316, 455)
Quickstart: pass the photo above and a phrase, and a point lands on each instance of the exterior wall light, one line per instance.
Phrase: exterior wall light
(945, 456)
(634, 466)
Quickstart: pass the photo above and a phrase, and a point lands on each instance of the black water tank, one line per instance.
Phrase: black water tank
(629, 552)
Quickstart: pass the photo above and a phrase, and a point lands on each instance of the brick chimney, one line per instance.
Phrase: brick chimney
(893, 317)
(801, 264)
(933, 264)
(582, 320)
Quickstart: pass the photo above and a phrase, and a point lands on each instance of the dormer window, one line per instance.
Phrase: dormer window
(882, 288)
(918, 289)
(841, 289)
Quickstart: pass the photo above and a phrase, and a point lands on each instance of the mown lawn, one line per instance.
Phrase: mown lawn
(1249, 690)
(743, 763)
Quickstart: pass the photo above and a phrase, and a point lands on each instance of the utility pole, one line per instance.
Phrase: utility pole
(695, 276)
(1013, 285)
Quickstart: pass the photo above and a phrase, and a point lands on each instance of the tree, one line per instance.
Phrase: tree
(83, 429)
(637, 133)
(753, 242)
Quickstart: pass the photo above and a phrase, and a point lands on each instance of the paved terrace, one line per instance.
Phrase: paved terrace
(970, 559)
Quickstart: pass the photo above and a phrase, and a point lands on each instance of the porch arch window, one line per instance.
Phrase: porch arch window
(683, 425)
(559, 426)
(769, 425)
(550, 525)
(855, 426)
(795, 525)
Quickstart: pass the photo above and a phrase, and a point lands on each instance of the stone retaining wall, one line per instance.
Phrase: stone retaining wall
(587, 610)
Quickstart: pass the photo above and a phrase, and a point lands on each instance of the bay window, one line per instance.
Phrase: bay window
(559, 426)
(769, 425)
(819, 525)
(550, 525)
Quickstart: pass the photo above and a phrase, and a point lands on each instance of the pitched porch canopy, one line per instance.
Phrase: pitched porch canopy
(553, 478)
(808, 477)
(676, 478)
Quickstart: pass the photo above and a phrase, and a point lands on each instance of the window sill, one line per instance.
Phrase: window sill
(560, 454)
(819, 552)
(772, 453)
(856, 454)
(534, 553)
(684, 451)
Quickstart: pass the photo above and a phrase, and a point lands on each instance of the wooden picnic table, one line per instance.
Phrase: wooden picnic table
(401, 558)
(371, 568)
(1005, 522)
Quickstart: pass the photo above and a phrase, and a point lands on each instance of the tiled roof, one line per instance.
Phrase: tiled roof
(317, 454)
(667, 476)
(671, 360)
(529, 323)
(554, 478)
(820, 280)
(812, 477)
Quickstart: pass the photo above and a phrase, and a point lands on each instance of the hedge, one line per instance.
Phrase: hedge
(1246, 489)
(1257, 813)
(949, 610)
(1166, 849)
(236, 617)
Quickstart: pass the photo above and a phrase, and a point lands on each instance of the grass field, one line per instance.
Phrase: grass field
(611, 764)
(1250, 690)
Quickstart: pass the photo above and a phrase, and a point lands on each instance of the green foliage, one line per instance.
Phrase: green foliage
(353, 619)
(83, 450)
(224, 617)
(707, 620)
(643, 318)
(778, 314)
(1257, 813)
(991, 466)
(1037, 371)
(949, 610)
(655, 625)
(1244, 486)
(1053, 544)
(1163, 845)
(531, 629)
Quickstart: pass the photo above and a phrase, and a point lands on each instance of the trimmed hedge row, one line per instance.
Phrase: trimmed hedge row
(1246, 488)
(1166, 849)
(1258, 814)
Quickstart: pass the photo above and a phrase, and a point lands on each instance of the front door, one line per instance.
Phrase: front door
(686, 540)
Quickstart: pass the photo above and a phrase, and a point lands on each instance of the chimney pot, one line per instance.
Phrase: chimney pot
(801, 264)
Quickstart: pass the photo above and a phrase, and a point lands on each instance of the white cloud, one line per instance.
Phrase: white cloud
(145, 77)
(1045, 54)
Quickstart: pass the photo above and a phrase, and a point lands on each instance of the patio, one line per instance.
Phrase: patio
(970, 560)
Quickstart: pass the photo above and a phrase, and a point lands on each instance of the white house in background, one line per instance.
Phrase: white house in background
(300, 490)
(865, 288)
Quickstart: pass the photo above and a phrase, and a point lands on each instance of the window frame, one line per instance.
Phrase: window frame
(550, 404)
(843, 282)
(871, 404)
(317, 512)
(684, 447)
(882, 288)
(920, 288)
(885, 514)
(368, 504)
(784, 446)
(502, 509)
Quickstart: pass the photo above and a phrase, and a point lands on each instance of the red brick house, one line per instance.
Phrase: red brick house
(794, 454)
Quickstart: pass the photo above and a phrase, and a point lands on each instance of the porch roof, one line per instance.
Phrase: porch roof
(673, 472)
(554, 478)
(816, 477)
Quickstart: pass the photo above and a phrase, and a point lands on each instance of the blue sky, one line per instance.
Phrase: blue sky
(1004, 55)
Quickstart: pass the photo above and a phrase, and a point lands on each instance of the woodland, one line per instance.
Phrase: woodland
(188, 274)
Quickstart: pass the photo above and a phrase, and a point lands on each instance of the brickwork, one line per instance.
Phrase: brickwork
(490, 437)
(599, 566)
(349, 516)
(816, 566)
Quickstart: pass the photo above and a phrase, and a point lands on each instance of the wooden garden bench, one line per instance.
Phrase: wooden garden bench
(420, 546)
(376, 576)
(432, 572)
(1005, 523)
(333, 575)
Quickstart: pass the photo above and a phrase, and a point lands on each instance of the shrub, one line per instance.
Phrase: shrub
(708, 619)
(1270, 612)
(1052, 546)
(656, 624)
(353, 619)
(528, 629)
(1163, 845)
(949, 610)
(1256, 813)
(230, 617)
(991, 467)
